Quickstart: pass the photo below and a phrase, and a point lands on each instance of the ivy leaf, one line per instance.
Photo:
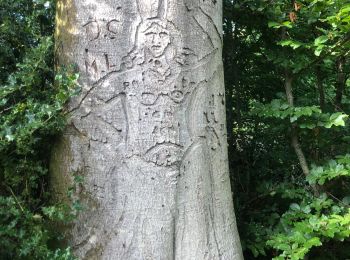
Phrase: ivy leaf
(295, 207)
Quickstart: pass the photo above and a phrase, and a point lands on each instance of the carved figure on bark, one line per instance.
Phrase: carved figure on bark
(148, 133)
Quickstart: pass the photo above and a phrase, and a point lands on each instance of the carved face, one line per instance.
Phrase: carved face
(156, 39)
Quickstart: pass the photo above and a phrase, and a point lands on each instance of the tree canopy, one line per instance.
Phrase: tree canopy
(287, 80)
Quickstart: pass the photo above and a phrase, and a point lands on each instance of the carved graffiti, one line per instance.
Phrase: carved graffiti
(159, 93)
(214, 128)
(97, 29)
(98, 54)
(92, 30)
(155, 78)
(157, 39)
(147, 127)
(210, 2)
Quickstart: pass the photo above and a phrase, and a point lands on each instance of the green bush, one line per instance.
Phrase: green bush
(32, 102)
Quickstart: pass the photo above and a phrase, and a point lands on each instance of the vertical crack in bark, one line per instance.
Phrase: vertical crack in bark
(213, 23)
(202, 28)
(212, 204)
(162, 6)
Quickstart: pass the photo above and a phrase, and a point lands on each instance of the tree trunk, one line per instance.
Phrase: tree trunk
(148, 131)
(294, 131)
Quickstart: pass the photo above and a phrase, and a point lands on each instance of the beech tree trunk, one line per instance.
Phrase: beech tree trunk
(148, 132)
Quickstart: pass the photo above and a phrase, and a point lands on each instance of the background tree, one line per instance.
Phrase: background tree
(288, 134)
(31, 113)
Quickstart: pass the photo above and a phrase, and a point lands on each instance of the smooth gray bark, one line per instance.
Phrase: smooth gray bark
(148, 131)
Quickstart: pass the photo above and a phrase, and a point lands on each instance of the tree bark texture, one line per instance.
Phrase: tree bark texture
(148, 131)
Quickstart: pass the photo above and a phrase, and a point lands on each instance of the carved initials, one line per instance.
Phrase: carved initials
(92, 30)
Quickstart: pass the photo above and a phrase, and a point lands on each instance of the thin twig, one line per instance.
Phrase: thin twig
(14, 196)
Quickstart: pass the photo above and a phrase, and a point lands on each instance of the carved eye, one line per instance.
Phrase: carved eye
(176, 95)
(163, 35)
(150, 36)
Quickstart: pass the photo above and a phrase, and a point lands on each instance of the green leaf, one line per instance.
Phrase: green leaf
(306, 209)
(307, 125)
(293, 119)
(315, 241)
(295, 207)
(320, 40)
(272, 24)
(318, 51)
(339, 120)
(287, 24)
(291, 43)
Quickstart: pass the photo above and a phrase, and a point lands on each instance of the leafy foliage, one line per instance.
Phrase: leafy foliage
(330, 170)
(31, 114)
(306, 116)
(287, 79)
